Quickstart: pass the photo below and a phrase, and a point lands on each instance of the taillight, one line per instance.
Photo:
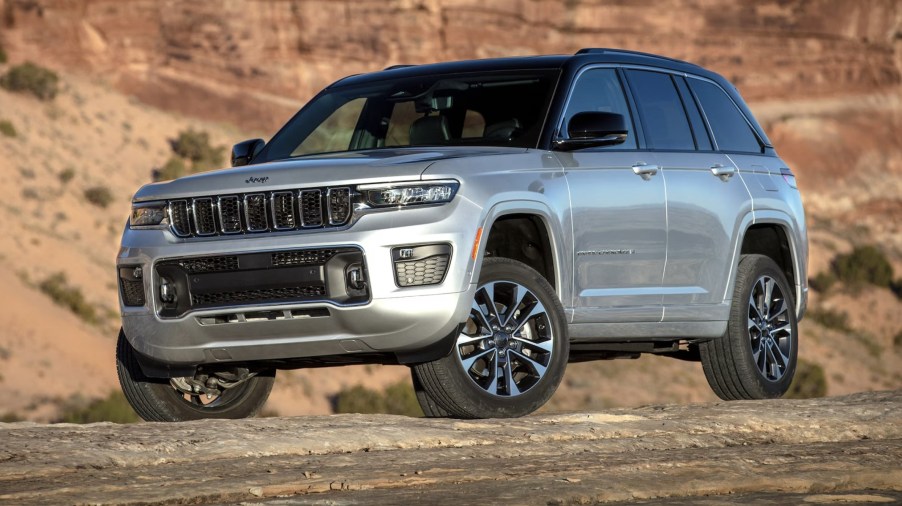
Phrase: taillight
(789, 177)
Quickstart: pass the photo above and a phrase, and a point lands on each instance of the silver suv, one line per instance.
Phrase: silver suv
(483, 222)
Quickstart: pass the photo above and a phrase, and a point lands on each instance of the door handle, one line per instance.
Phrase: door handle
(723, 172)
(645, 170)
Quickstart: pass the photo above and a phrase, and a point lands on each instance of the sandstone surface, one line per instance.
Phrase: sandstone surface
(832, 447)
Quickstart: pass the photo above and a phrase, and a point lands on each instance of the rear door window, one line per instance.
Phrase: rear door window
(599, 90)
(661, 110)
(730, 129)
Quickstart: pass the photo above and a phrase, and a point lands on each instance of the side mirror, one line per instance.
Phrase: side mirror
(592, 129)
(244, 152)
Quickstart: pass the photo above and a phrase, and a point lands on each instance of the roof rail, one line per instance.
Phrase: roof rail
(604, 50)
(393, 67)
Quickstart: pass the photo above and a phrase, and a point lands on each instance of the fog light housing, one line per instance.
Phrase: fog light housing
(168, 294)
(421, 265)
(131, 286)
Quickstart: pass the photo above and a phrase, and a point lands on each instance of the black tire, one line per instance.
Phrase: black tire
(430, 408)
(156, 400)
(532, 351)
(745, 363)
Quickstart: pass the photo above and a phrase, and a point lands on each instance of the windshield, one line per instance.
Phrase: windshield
(484, 109)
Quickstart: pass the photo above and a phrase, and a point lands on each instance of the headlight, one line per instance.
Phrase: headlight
(147, 214)
(406, 194)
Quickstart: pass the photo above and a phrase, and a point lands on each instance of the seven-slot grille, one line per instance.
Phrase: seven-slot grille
(260, 212)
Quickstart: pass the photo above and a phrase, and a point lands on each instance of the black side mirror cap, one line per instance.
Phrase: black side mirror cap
(592, 129)
(244, 152)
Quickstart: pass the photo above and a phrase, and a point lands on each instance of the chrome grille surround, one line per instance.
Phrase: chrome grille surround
(260, 212)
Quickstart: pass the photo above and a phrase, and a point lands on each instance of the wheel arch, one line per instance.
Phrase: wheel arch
(505, 218)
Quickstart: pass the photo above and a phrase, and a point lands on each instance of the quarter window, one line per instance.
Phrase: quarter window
(599, 90)
(730, 129)
(663, 117)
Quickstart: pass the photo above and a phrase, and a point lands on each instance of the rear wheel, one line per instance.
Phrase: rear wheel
(756, 358)
(511, 354)
(231, 393)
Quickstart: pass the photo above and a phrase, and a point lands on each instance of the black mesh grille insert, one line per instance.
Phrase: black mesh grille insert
(230, 214)
(302, 257)
(255, 212)
(311, 208)
(283, 217)
(204, 221)
(270, 294)
(208, 264)
(178, 215)
(428, 271)
(339, 205)
(132, 291)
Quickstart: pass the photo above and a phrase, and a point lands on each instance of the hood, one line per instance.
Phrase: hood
(347, 168)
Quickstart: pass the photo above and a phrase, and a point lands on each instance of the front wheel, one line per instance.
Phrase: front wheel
(511, 353)
(756, 358)
(235, 393)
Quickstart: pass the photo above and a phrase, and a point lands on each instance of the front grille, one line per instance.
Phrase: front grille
(261, 212)
(268, 295)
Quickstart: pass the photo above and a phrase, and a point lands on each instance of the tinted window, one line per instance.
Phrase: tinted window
(599, 90)
(728, 125)
(663, 118)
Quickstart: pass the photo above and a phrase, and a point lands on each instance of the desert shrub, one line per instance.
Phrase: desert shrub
(398, 399)
(897, 340)
(56, 286)
(113, 408)
(174, 168)
(100, 196)
(66, 175)
(7, 128)
(809, 381)
(30, 78)
(11, 418)
(195, 146)
(896, 287)
(3, 58)
(863, 265)
(829, 318)
(822, 282)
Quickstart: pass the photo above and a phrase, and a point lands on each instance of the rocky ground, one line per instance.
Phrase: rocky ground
(761, 452)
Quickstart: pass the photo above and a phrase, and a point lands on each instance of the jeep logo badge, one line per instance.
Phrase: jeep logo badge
(256, 179)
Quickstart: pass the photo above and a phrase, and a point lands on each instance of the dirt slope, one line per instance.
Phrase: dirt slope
(818, 450)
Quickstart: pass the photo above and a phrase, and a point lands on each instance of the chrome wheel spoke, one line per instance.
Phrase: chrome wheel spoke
(468, 362)
(509, 384)
(468, 340)
(519, 295)
(540, 346)
(779, 309)
(536, 310)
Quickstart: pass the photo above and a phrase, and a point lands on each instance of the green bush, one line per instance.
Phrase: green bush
(67, 175)
(57, 288)
(863, 265)
(30, 78)
(897, 340)
(3, 58)
(174, 168)
(195, 146)
(11, 418)
(822, 282)
(100, 196)
(398, 399)
(7, 128)
(809, 381)
(831, 319)
(114, 408)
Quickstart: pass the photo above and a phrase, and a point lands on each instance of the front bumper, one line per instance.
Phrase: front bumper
(392, 320)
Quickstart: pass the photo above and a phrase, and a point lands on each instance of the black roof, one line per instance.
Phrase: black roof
(582, 57)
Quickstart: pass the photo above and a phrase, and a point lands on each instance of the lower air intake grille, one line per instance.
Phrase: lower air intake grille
(302, 257)
(428, 271)
(209, 264)
(269, 295)
(132, 291)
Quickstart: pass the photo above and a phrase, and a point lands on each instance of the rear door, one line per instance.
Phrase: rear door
(618, 213)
